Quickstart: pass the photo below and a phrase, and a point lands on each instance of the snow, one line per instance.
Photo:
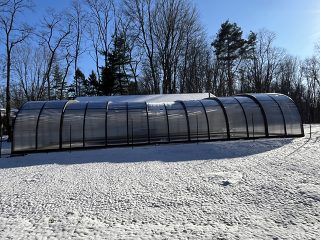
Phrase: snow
(256, 189)
(155, 98)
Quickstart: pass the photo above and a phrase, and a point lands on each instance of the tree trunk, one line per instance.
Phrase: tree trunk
(8, 97)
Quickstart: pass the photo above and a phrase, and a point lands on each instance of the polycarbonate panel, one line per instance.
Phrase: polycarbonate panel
(254, 115)
(158, 123)
(100, 124)
(117, 124)
(72, 126)
(236, 117)
(290, 112)
(178, 126)
(216, 118)
(138, 123)
(273, 114)
(33, 105)
(25, 127)
(49, 125)
(197, 120)
(95, 124)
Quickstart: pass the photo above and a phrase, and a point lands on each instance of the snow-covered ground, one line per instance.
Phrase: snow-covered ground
(262, 189)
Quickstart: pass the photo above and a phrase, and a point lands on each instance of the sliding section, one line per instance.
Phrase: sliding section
(158, 123)
(138, 123)
(25, 127)
(294, 126)
(117, 124)
(48, 130)
(72, 125)
(274, 115)
(254, 115)
(198, 120)
(236, 116)
(178, 123)
(95, 124)
(217, 120)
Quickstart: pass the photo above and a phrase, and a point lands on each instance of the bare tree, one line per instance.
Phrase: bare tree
(14, 33)
(55, 30)
(142, 13)
(29, 68)
(102, 12)
(78, 19)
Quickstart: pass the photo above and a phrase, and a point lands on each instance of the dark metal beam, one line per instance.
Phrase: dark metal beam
(225, 114)
(283, 118)
(245, 116)
(205, 112)
(37, 126)
(266, 128)
(187, 118)
(84, 126)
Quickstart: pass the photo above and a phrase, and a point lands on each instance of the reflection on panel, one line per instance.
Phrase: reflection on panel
(178, 126)
(95, 124)
(53, 125)
(273, 114)
(256, 125)
(216, 118)
(117, 124)
(197, 120)
(49, 125)
(72, 125)
(290, 113)
(236, 117)
(25, 127)
(158, 123)
(138, 123)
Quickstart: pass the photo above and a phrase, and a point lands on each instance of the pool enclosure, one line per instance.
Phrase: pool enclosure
(120, 121)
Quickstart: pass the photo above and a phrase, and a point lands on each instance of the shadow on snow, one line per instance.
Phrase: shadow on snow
(163, 153)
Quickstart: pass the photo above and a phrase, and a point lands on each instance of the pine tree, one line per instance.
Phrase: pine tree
(115, 79)
(80, 82)
(92, 85)
(58, 88)
(229, 47)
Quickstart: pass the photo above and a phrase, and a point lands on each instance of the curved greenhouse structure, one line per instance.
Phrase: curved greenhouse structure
(113, 121)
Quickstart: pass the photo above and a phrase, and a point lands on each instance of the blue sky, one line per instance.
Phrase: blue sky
(295, 22)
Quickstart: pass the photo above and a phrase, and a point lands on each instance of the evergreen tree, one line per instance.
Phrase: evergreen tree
(229, 48)
(92, 85)
(58, 89)
(115, 79)
(80, 82)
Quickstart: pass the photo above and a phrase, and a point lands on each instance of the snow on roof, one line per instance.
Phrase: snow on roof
(156, 98)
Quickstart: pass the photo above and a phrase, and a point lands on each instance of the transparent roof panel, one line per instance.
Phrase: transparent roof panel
(33, 105)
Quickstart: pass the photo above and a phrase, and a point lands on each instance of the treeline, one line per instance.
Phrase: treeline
(142, 47)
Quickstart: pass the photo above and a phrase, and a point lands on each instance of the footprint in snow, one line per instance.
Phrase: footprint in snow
(224, 178)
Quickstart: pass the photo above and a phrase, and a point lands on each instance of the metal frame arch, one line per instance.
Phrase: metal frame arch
(168, 127)
(106, 124)
(283, 118)
(290, 99)
(207, 119)
(244, 114)
(225, 114)
(148, 124)
(37, 126)
(127, 108)
(61, 122)
(187, 118)
(265, 120)
(84, 125)
(14, 124)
